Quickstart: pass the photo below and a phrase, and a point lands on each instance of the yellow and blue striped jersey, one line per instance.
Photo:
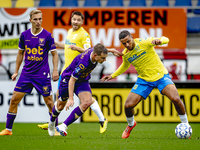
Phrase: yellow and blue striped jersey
(80, 38)
(145, 60)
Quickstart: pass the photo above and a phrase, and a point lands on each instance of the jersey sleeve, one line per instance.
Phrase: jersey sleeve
(164, 40)
(21, 45)
(79, 70)
(51, 43)
(86, 40)
(122, 68)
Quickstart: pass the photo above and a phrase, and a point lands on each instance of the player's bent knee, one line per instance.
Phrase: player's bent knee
(60, 107)
(129, 104)
(176, 100)
(86, 104)
(14, 102)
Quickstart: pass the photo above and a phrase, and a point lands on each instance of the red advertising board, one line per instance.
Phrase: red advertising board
(104, 24)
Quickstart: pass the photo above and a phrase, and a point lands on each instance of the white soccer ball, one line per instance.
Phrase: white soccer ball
(183, 131)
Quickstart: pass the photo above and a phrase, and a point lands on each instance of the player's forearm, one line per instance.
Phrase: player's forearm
(71, 87)
(110, 50)
(55, 60)
(19, 60)
(81, 50)
(123, 67)
(60, 45)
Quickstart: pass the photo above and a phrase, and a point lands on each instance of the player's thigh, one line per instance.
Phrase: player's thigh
(17, 97)
(142, 88)
(132, 100)
(85, 98)
(42, 86)
(170, 91)
(83, 91)
(24, 84)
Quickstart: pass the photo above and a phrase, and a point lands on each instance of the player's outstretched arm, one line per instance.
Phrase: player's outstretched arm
(115, 52)
(60, 45)
(76, 48)
(19, 60)
(106, 78)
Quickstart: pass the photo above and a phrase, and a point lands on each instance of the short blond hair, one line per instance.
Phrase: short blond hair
(34, 12)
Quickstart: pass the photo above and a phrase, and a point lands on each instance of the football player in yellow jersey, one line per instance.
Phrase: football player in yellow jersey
(151, 74)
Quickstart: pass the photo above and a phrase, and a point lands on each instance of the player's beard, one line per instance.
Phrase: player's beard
(76, 27)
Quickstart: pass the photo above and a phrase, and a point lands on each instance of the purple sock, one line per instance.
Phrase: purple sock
(10, 120)
(75, 114)
(54, 115)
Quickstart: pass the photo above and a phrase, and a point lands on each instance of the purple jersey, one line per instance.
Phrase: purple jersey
(36, 49)
(80, 68)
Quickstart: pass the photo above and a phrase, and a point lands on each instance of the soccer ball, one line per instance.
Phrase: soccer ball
(183, 131)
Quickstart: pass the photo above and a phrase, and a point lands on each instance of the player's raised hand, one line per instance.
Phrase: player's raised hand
(70, 102)
(14, 76)
(156, 42)
(55, 75)
(106, 78)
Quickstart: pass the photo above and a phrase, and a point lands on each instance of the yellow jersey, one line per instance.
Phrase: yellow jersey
(145, 60)
(80, 38)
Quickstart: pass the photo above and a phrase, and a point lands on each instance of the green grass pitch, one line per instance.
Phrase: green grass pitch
(86, 136)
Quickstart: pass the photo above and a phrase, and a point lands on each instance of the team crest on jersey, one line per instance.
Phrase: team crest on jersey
(86, 34)
(41, 41)
(45, 89)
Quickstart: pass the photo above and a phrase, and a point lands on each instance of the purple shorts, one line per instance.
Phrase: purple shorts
(42, 85)
(79, 87)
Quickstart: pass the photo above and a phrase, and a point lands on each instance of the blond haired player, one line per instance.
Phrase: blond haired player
(34, 47)
(151, 74)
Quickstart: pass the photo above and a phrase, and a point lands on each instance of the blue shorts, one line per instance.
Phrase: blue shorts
(59, 81)
(79, 87)
(144, 88)
(42, 85)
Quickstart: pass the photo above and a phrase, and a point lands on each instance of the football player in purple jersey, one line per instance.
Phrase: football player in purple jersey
(75, 79)
(34, 46)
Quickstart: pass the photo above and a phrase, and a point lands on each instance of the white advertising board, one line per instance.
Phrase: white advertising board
(32, 107)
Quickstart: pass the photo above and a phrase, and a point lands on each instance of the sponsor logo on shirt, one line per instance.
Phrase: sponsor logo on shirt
(77, 70)
(67, 42)
(134, 57)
